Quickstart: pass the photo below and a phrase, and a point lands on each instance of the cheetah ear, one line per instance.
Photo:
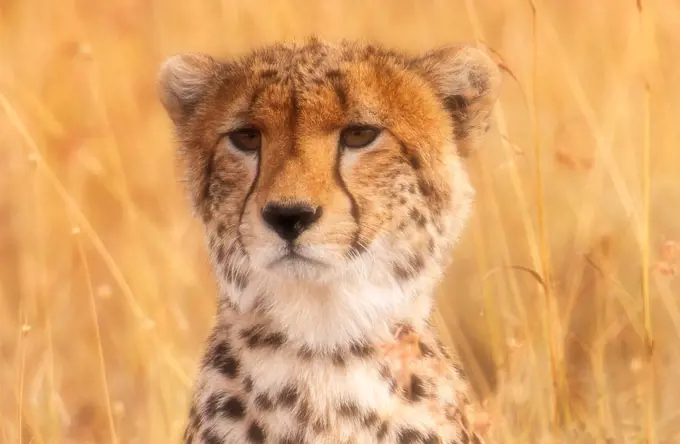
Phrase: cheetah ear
(183, 81)
(467, 81)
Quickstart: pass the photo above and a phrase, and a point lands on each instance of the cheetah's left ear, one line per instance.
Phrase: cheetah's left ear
(467, 81)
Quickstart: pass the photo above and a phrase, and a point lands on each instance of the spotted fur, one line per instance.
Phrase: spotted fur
(335, 347)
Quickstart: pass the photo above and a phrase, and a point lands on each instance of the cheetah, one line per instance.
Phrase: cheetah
(330, 182)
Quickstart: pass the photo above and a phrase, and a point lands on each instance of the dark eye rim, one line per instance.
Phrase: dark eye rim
(359, 127)
(231, 135)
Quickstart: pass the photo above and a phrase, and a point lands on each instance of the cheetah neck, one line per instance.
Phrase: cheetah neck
(331, 316)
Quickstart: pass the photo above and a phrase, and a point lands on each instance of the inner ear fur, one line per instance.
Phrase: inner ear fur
(467, 81)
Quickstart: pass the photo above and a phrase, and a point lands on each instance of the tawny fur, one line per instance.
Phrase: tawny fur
(335, 348)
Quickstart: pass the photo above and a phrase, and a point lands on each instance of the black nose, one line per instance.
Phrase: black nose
(290, 220)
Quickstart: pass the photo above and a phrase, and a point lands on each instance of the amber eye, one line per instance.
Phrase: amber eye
(247, 140)
(358, 136)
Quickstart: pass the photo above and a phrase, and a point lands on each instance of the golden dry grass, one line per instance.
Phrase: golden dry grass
(561, 298)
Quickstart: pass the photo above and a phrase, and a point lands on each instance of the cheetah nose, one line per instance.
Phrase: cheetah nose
(290, 220)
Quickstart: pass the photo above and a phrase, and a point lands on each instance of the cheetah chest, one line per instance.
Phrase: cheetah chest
(262, 391)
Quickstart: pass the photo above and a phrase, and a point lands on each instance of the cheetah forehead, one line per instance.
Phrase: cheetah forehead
(359, 81)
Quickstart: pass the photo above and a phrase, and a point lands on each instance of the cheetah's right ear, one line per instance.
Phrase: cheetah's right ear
(183, 82)
(467, 81)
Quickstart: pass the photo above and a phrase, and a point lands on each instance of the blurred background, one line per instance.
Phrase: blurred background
(562, 297)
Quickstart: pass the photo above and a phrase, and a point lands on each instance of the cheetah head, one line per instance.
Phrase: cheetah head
(328, 162)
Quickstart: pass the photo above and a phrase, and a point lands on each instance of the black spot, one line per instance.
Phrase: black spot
(320, 425)
(275, 340)
(382, 430)
(334, 74)
(238, 279)
(418, 217)
(431, 438)
(209, 437)
(456, 103)
(207, 215)
(305, 353)
(417, 263)
(361, 349)
(220, 230)
(304, 412)
(339, 358)
(222, 360)
(371, 49)
(220, 254)
(459, 371)
(269, 73)
(402, 200)
(288, 396)
(370, 419)
(248, 384)
(349, 409)
(417, 391)
(252, 335)
(228, 366)
(264, 402)
(233, 408)
(188, 437)
(193, 414)
(414, 161)
(386, 374)
(443, 350)
(255, 337)
(425, 349)
(405, 328)
(409, 436)
(256, 433)
(426, 188)
(402, 272)
(211, 405)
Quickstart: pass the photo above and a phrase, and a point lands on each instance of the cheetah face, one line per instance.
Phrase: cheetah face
(311, 161)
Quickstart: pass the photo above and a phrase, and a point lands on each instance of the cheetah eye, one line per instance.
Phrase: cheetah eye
(248, 140)
(358, 136)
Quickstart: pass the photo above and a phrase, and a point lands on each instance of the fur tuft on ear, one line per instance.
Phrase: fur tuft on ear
(467, 81)
(183, 81)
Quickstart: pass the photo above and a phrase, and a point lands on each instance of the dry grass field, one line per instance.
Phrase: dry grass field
(562, 296)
